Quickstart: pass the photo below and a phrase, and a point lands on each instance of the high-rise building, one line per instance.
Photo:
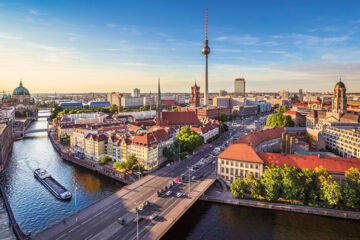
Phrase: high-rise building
(195, 96)
(206, 52)
(284, 94)
(239, 87)
(135, 92)
(114, 98)
(301, 97)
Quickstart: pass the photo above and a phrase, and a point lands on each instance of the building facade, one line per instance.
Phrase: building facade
(239, 87)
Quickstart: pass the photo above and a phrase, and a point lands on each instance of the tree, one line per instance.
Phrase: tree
(188, 140)
(131, 162)
(309, 182)
(143, 126)
(278, 119)
(292, 188)
(271, 183)
(105, 159)
(331, 193)
(350, 195)
(238, 187)
(253, 185)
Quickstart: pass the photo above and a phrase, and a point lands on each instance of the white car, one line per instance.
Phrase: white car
(153, 216)
(179, 194)
(168, 193)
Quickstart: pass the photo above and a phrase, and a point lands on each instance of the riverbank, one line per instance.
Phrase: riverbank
(216, 195)
(6, 143)
(89, 164)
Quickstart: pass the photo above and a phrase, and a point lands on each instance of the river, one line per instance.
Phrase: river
(36, 209)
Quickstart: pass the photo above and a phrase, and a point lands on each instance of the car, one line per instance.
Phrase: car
(146, 204)
(179, 194)
(121, 221)
(136, 219)
(193, 178)
(168, 193)
(153, 216)
(140, 208)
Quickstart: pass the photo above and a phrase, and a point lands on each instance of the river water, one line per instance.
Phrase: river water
(36, 209)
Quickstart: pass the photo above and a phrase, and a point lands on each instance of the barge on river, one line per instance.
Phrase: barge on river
(51, 184)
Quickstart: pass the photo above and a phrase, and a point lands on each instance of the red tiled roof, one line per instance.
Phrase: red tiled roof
(151, 138)
(122, 127)
(291, 112)
(256, 138)
(169, 102)
(134, 128)
(179, 118)
(332, 164)
(240, 152)
(204, 129)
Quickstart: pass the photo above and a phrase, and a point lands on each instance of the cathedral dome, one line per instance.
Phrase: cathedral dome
(20, 90)
(340, 84)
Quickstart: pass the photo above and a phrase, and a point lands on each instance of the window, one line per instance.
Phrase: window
(241, 173)
(246, 165)
(237, 172)
(231, 171)
(222, 170)
(227, 170)
(227, 162)
(222, 162)
(251, 166)
(232, 163)
(256, 166)
(256, 175)
(241, 165)
(236, 164)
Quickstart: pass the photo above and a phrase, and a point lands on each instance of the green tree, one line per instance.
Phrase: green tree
(278, 119)
(271, 183)
(350, 195)
(331, 193)
(253, 185)
(309, 182)
(105, 159)
(143, 126)
(131, 162)
(292, 187)
(188, 140)
(238, 187)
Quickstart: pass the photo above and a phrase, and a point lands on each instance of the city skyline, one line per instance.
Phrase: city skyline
(124, 46)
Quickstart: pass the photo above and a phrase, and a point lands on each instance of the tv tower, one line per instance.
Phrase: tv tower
(206, 52)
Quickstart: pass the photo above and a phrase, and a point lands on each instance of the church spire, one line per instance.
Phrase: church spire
(159, 106)
(20, 83)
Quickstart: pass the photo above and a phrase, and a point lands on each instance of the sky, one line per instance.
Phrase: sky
(103, 46)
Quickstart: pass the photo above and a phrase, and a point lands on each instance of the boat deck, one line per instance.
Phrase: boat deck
(54, 185)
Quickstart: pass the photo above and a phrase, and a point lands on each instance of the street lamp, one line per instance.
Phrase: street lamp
(189, 181)
(137, 221)
(75, 204)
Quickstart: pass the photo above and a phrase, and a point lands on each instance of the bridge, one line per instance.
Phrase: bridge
(100, 221)
(36, 130)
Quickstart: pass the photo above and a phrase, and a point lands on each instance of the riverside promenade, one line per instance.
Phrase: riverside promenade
(217, 195)
(89, 164)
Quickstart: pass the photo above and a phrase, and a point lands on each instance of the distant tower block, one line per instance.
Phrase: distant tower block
(239, 87)
(206, 52)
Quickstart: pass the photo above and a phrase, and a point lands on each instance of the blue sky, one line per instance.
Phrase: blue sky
(85, 46)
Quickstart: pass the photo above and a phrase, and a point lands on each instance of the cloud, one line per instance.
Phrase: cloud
(111, 25)
(72, 37)
(46, 47)
(135, 64)
(323, 68)
(314, 40)
(243, 40)
(10, 36)
(33, 12)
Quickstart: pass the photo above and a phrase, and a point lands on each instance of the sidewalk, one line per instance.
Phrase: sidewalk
(217, 196)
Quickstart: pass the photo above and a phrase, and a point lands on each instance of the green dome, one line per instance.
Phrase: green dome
(20, 90)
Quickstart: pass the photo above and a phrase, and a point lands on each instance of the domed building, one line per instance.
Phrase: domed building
(21, 100)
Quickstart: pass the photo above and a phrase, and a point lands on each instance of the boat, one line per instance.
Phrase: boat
(51, 184)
